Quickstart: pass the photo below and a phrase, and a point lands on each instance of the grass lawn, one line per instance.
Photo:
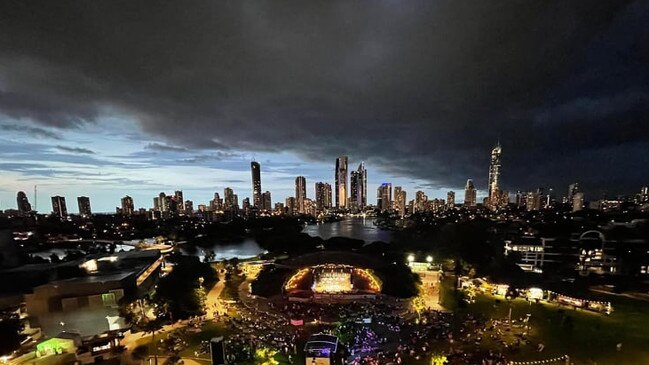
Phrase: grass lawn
(587, 337)
(231, 287)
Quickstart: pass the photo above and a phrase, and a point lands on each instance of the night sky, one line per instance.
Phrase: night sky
(108, 98)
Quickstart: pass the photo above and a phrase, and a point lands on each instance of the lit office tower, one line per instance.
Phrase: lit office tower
(534, 200)
(400, 201)
(23, 203)
(469, 194)
(127, 205)
(291, 205)
(450, 199)
(358, 186)
(266, 201)
(322, 196)
(58, 206)
(494, 176)
(300, 193)
(257, 201)
(229, 199)
(644, 194)
(245, 205)
(420, 201)
(572, 190)
(84, 206)
(384, 197)
(163, 203)
(180, 201)
(353, 187)
(341, 182)
(216, 204)
(577, 202)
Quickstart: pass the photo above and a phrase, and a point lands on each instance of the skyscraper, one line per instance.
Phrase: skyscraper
(494, 176)
(216, 204)
(266, 202)
(300, 193)
(255, 168)
(384, 197)
(572, 190)
(322, 196)
(127, 205)
(291, 205)
(245, 205)
(420, 201)
(23, 203)
(450, 199)
(358, 185)
(58, 206)
(189, 207)
(578, 202)
(84, 206)
(180, 201)
(163, 203)
(229, 199)
(400, 201)
(644, 194)
(341, 182)
(469, 194)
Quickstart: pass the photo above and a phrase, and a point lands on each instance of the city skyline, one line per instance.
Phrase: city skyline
(355, 185)
(79, 119)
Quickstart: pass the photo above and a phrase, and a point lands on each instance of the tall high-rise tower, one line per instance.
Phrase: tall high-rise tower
(341, 182)
(469, 194)
(300, 192)
(255, 168)
(450, 199)
(84, 206)
(494, 176)
(23, 203)
(322, 196)
(384, 197)
(127, 205)
(572, 190)
(359, 187)
(58, 206)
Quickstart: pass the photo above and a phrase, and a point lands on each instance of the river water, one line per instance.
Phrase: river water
(356, 228)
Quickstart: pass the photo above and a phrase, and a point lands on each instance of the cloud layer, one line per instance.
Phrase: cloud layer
(422, 89)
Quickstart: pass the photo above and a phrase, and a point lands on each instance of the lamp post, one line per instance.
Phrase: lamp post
(411, 259)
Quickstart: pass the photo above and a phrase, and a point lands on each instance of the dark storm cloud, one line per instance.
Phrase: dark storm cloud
(32, 131)
(421, 89)
(76, 150)
(165, 148)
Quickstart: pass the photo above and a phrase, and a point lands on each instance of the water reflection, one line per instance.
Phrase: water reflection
(243, 250)
(357, 228)
(62, 252)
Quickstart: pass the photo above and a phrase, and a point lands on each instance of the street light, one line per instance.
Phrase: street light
(429, 259)
(411, 258)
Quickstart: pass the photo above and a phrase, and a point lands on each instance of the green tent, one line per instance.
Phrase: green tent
(55, 346)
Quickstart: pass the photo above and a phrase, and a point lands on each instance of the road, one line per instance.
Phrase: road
(430, 285)
(212, 302)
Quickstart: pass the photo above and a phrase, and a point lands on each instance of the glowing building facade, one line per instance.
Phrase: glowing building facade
(300, 193)
(341, 182)
(255, 169)
(494, 176)
(470, 195)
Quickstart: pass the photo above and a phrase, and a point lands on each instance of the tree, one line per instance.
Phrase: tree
(180, 292)
(140, 353)
(10, 328)
(152, 327)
